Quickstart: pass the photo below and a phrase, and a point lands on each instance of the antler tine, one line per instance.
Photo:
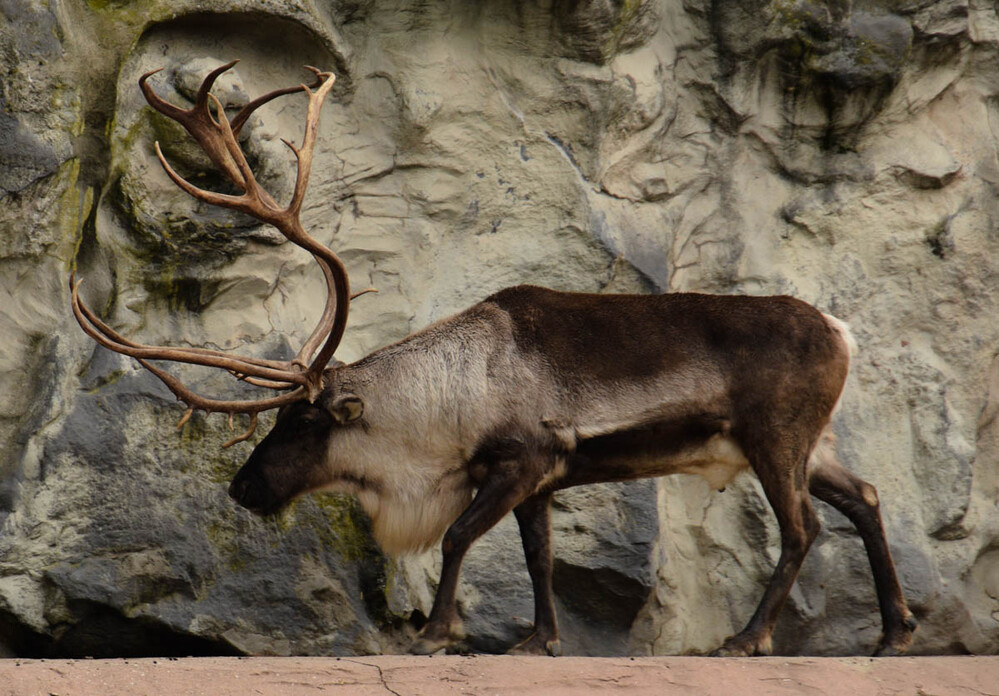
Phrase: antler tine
(245, 113)
(100, 332)
(153, 99)
(241, 438)
(192, 400)
(304, 155)
(201, 98)
(197, 120)
(197, 402)
(266, 383)
(338, 285)
(257, 202)
(326, 321)
(118, 339)
(246, 435)
(221, 199)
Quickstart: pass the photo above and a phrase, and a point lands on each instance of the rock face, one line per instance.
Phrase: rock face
(843, 152)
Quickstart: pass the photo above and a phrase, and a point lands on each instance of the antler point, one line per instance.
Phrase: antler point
(362, 292)
(149, 74)
(186, 417)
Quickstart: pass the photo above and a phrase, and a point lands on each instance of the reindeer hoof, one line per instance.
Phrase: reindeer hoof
(433, 641)
(897, 642)
(725, 651)
(885, 650)
(423, 646)
(738, 646)
(537, 646)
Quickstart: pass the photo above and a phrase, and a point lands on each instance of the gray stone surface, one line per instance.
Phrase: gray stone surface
(846, 153)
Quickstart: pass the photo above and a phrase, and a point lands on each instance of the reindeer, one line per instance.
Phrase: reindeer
(526, 393)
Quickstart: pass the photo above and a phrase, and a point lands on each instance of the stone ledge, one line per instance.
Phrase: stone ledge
(412, 676)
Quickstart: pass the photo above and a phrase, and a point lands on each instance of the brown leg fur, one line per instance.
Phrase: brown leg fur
(799, 526)
(830, 482)
(505, 486)
(534, 518)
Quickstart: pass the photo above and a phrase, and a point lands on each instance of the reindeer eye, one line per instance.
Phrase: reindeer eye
(311, 417)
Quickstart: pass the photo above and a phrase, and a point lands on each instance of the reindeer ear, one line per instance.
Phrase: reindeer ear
(346, 408)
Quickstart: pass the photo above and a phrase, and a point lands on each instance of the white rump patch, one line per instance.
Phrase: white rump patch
(843, 330)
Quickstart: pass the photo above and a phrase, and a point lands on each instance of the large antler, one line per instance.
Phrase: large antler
(217, 136)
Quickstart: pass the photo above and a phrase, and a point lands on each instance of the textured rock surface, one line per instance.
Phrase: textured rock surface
(846, 153)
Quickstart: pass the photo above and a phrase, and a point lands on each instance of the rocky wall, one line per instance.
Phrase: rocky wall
(843, 152)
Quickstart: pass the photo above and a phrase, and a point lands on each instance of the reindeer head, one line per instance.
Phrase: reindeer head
(292, 459)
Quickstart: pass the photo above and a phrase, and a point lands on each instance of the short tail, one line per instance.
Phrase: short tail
(824, 451)
(842, 329)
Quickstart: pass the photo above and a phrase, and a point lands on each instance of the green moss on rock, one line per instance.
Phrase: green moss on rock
(342, 525)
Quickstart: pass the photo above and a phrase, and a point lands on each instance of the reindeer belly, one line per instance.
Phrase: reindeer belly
(719, 460)
(701, 446)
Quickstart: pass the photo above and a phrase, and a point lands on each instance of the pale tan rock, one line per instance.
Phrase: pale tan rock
(847, 156)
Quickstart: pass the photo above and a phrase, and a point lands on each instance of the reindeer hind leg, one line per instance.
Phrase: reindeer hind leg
(831, 482)
(782, 476)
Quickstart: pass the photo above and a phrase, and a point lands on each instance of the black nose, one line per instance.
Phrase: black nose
(251, 492)
(238, 488)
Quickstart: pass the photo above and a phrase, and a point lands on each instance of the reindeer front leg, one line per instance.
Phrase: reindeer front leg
(506, 485)
(534, 518)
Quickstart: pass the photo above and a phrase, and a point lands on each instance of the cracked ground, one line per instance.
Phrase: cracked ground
(414, 676)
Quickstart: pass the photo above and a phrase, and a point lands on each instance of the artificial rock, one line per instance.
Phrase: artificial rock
(846, 153)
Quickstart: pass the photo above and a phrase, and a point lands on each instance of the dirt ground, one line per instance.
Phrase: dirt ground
(415, 676)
